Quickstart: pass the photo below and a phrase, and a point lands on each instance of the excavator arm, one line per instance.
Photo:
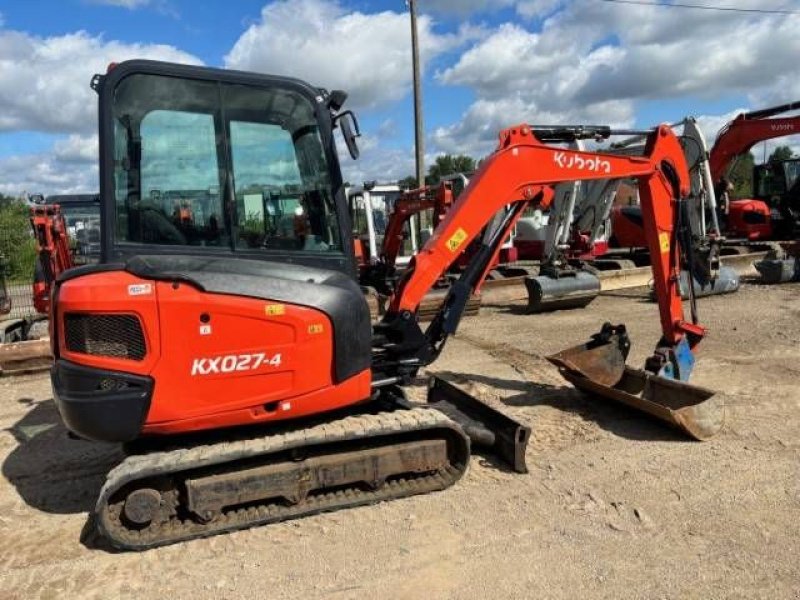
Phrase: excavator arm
(52, 250)
(522, 172)
(412, 203)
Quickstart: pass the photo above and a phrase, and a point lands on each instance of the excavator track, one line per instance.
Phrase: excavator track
(170, 496)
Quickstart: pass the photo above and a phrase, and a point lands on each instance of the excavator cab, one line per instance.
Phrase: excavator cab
(257, 283)
(778, 184)
(202, 166)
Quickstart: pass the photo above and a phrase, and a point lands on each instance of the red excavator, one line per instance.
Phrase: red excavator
(773, 213)
(244, 375)
(52, 249)
(53, 255)
(382, 273)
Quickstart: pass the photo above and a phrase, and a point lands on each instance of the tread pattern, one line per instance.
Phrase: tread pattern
(381, 428)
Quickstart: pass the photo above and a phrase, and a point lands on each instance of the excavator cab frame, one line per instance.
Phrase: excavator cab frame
(211, 103)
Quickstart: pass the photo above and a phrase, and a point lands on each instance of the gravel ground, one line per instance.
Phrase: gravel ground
(615, 505)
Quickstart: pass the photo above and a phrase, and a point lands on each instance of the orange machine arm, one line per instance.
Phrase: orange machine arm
(746, 130)
(523, 170)
(52, 249)
(413, 202)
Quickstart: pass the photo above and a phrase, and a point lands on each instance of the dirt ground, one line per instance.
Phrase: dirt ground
(615, 505)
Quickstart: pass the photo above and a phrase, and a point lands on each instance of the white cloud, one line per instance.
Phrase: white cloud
(523, 76)
(476, 133)
(44, 82)
(368, 55)
(77, 149)
(45, 173)
(593, 61)
(537, 8)
(44, 86)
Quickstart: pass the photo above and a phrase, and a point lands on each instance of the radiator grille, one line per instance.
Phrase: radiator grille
(119, 336)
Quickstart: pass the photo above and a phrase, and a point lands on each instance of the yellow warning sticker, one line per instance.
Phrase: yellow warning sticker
(315, 328)
(663, 240)
(273, 310)
(455, 241)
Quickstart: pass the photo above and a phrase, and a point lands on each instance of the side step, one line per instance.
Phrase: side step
(486, 426)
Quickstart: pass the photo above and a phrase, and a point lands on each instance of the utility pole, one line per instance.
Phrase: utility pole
(419, 139)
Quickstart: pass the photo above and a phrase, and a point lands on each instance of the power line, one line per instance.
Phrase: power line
(776, 11)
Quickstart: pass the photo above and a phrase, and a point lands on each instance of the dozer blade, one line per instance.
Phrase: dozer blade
(486, 426)
(692, 409)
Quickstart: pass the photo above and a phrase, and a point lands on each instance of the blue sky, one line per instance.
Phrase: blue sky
(488, 64)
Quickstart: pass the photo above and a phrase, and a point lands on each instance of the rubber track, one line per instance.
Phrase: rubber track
(360, 427)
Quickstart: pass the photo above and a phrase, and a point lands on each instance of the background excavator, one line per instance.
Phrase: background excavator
(402, 229)
(774, 211)
(53, 256)
(382, 270)
(702, 215)
(53, 252)
(371, 206)
(242, 371)
(577, 230)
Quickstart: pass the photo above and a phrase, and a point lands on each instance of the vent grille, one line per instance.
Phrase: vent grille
(119, 336)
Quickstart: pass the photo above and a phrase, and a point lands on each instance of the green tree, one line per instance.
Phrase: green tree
(17, 245)
(408, 183)
(741, 175)
(781, 153)
(7, 200)
(448, 164)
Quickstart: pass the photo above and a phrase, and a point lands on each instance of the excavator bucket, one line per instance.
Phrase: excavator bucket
(598, 368)
(576, 290)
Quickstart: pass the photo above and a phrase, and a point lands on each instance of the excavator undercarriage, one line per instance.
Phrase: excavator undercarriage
(306, 469)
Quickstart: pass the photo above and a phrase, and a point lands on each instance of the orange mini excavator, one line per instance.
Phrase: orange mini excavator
(236, 359)
(52, 249)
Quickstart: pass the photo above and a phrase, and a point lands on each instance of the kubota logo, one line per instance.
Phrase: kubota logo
(575, 161)
(234, 362)
(782, 127)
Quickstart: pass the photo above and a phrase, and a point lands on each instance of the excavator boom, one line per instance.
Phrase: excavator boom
(521, 172)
